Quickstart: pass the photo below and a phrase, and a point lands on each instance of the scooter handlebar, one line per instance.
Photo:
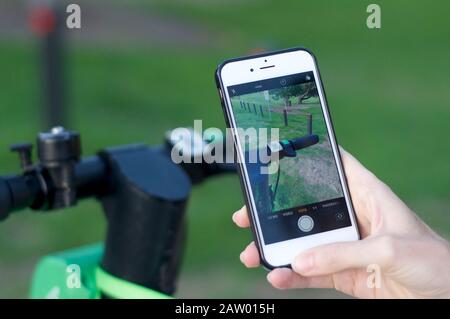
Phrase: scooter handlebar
(303, 142)
(30, 190)
(33, 188)
(288, 148)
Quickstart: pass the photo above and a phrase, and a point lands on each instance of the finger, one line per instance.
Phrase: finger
(360, 190)
(362, 183)
(250, 256)
(359, 179)
(333, 258)
(374, 201)
(240, 218)
(285, 278)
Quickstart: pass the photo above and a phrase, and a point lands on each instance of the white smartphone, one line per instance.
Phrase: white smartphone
(296, 194)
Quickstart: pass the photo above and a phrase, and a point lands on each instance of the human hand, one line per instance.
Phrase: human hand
(409, 259)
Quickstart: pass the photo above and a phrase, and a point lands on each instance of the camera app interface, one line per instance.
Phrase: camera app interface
(303, 195)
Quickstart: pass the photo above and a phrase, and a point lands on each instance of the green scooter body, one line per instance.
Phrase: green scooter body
(68, 275)
(75, 274)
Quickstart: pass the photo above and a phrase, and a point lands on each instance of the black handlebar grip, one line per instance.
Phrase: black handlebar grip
(19, 192)
(32, 189)
(5, 199)
(305, 141)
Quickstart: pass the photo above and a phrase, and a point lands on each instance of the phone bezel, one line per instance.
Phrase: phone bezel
(286, 62)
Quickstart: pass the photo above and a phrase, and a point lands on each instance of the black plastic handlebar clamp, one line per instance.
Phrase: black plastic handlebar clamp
(58, 152)
(146, 216)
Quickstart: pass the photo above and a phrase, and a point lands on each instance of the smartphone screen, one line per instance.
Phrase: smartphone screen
(304, 196)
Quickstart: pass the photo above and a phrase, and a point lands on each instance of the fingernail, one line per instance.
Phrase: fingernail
(233, 217)
(303, 264)
(241, 257)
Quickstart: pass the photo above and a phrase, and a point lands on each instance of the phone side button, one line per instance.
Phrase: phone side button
(305, 223)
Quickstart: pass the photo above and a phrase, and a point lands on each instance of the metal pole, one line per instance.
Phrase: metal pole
(47, 21)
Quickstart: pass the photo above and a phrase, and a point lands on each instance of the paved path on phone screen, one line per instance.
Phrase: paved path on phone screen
(114, 24)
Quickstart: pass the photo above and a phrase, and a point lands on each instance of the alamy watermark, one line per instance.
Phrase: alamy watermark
(374, 19)
(260, 146)
(73, 279)
(73, 20)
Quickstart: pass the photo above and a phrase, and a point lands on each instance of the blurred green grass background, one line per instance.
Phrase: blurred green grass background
(388, 92)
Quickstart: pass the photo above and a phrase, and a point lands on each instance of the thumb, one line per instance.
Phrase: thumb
(333, 258)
